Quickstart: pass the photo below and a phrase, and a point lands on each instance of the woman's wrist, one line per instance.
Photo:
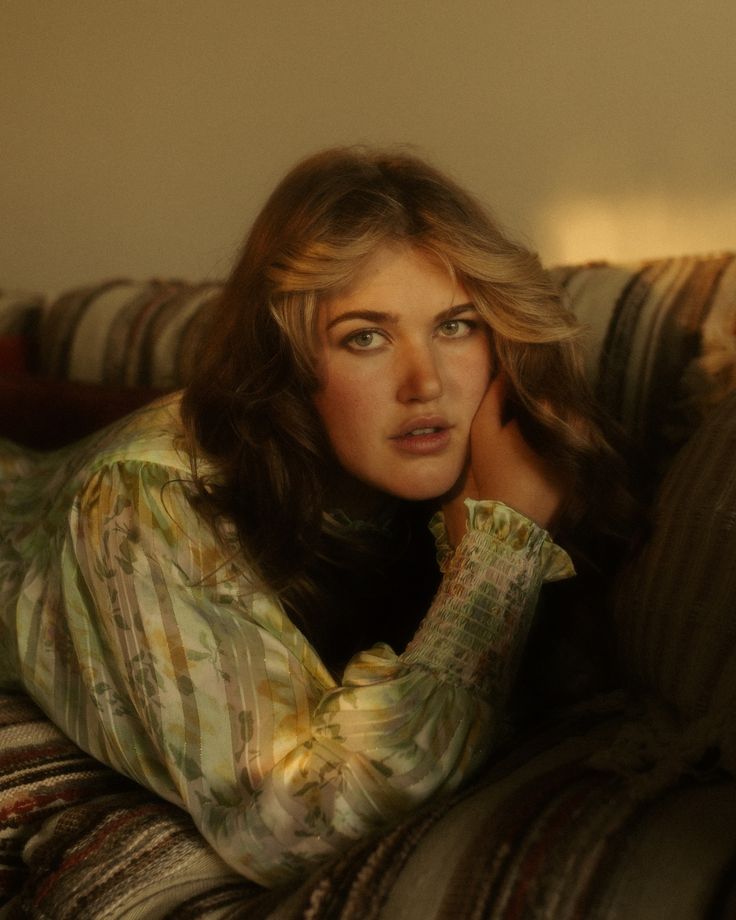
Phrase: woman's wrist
(485, 602)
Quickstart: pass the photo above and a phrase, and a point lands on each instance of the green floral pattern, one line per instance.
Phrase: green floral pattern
(148, 641)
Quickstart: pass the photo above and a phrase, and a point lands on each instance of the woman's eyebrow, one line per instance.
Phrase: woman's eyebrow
(455, 311)
(372, 316)
(376, 316)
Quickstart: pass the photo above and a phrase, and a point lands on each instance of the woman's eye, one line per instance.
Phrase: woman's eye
(365, 340)
(456, 328)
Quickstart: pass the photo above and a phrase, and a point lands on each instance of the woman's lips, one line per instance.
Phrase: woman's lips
(423, 437)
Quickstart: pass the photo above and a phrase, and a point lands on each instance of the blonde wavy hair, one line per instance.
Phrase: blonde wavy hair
(249, 405)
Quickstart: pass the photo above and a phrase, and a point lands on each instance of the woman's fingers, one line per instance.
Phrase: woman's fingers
(485, 429)
(510, 471)
(505, 468)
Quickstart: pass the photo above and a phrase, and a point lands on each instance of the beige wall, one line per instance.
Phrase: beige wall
(139, 136)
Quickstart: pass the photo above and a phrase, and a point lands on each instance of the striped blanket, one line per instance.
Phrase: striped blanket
(554, 829)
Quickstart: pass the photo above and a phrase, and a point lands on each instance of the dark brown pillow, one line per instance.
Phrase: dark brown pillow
(675, 605)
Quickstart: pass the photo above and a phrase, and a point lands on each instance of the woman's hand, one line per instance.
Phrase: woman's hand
(503, 467)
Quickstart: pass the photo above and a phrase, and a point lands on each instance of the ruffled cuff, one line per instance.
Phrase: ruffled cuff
(478, 622)
(507, 526)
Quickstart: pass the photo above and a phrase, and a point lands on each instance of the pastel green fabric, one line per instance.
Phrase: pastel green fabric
(148, 641)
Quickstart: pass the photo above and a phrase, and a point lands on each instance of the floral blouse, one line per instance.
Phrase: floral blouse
(146, 639)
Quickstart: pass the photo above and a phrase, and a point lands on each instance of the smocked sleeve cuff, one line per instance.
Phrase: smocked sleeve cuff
(476, 627)
(508, 526)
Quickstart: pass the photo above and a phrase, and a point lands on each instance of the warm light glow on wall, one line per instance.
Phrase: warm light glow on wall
(633, 227)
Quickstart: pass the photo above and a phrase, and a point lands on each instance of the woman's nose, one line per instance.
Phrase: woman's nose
(420, 378)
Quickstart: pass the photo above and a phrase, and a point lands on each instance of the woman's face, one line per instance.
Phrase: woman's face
(403, 362)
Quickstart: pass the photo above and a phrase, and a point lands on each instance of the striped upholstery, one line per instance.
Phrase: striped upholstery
(661, 341)
(41, 774)
(124, 332)
(86, 808)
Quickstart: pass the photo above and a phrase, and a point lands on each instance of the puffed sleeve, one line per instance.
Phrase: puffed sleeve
(199, 687)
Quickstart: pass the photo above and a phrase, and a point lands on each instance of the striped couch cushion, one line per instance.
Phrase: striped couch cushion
(661, 344)
(126, 332)
(41, 774)
(96, 843)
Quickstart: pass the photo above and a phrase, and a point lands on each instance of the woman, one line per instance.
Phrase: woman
(226, 596)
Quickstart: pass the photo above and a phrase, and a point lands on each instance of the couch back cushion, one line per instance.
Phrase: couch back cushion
(126, 332)
(675, 603)
(661, 342)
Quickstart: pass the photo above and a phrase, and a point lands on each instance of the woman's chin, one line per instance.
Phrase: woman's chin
(424, 491)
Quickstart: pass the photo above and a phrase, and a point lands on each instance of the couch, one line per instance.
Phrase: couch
(615, 797)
